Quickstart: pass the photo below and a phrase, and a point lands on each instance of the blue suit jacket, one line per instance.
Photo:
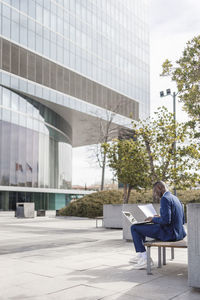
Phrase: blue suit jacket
(171, 218)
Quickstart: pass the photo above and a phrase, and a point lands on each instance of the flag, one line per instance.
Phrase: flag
(18, 167)
(29, 167)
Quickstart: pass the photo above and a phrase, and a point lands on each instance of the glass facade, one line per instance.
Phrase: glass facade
(35, 144)
(63, 65)
(46, 201)
(105, 40)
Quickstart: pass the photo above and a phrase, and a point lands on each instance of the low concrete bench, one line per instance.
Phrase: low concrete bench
(97, 219)
(163, 245)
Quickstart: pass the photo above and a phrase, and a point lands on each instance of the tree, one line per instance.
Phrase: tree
(107, 129)
(128, 159)
(177, 166)
(151, 156)
(186, 73)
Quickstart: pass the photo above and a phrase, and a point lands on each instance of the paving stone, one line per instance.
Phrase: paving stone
(193, 294)
(122, 296)
(69, 258)
(162, 288)
(81, 292)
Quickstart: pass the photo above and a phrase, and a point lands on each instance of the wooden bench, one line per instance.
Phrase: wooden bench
(97, 219)
(162, 245)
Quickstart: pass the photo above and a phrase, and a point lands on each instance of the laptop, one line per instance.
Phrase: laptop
(133, 220)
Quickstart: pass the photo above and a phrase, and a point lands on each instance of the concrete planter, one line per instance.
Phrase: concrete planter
(138, 214)
(112, 215)
(50, 213)
(193, 225)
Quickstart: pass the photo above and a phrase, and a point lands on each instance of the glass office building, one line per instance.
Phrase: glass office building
(63, 64)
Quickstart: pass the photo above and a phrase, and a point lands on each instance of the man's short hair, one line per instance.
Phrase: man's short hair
(161, 184)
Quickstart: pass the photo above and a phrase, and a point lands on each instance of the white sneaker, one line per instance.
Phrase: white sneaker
(142, 264)
(135, 259)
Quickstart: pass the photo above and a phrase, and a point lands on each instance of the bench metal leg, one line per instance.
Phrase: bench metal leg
(159, 258)
(149, 261)
(164, 256)
(172, 253)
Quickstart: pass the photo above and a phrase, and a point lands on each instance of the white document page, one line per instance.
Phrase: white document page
(148, 210)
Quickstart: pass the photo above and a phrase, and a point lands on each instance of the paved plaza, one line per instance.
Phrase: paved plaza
(69, 258)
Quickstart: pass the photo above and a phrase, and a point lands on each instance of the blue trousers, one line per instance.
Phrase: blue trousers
(140, 232)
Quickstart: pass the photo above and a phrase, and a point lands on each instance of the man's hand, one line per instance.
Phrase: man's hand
(149, 219)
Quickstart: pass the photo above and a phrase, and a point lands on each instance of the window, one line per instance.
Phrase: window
(15, 32)
(39, 13)
(6, 27)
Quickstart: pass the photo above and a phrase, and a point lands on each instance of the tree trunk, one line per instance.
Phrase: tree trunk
(153, 175)
(129, 191)
(103, 171)
(125, 200)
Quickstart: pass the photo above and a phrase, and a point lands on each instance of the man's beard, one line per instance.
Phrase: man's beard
(156, 198)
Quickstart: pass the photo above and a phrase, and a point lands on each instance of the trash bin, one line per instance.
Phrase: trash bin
(20, 210)
(41, 213)
(25, 210)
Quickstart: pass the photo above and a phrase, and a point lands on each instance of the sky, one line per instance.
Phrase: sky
(172, 24)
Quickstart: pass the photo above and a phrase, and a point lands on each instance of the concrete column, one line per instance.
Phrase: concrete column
(193, 219)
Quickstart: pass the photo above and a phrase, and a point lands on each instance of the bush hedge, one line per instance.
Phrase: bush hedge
(91, 206)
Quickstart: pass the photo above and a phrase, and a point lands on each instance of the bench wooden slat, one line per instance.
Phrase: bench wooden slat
(175, 244)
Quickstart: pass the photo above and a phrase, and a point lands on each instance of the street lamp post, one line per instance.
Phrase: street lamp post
(168, 93)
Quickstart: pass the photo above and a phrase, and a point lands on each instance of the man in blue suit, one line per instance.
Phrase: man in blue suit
(166, 227)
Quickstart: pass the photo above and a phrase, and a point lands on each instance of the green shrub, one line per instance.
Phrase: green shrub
(91, 206)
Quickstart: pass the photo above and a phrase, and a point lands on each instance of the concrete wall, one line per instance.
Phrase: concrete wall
(7, 214)
(138, 214)
(193, 219)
